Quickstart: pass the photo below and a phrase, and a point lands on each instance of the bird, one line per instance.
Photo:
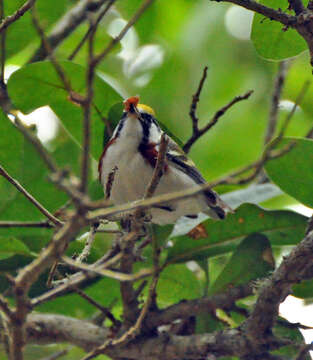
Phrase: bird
(132, 152)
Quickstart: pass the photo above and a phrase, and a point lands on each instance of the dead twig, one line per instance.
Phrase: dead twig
(196, 132)
(106, 272)
(70, 283)
(87, 248)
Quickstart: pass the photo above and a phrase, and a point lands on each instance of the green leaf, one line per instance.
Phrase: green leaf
(176, 283)
(271, 40)
(281, 227)
(303, 290)
(38, 84)
(105, 291)
(251, 260)
(292, 171)
(10, 246)
(286, 330)
(24, 164)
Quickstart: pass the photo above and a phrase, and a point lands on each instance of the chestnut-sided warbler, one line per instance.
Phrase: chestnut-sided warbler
(133, 151)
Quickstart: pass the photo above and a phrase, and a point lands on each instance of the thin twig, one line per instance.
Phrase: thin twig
(132, 332)
(94, 303)
(70, 283)
(278, 86)
(159, 167)
(197, 133)
(87, 113)
(35, 202)
(143, 7)
(87, 248)
(195, 100)
(14, 17)
(49, 51)
(2, 45)
(90, 29)
(106, 272)
(26, 224)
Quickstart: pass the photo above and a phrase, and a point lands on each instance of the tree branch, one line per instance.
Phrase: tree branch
(270, 13)
(291, 271)
(26, 224)
(144, 6)
(66, 25)
(35, 202)
(197, 133)
(20, 12)
(278, 86)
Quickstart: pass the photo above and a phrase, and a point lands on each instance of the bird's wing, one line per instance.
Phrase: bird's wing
(176, 157)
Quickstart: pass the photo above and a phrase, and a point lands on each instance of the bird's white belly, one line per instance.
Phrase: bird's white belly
(134, 174)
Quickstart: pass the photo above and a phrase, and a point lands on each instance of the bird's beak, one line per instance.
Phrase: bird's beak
(130, 105)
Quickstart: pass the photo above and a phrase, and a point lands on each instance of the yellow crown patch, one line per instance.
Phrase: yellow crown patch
(146, 109)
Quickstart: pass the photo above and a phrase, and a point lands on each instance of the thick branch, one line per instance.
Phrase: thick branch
(47, 329)
(291, 271)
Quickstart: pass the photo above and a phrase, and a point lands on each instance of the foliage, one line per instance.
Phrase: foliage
(162, 59)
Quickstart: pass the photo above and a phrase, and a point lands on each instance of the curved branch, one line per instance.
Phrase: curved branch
(295, 267)
(268, 12)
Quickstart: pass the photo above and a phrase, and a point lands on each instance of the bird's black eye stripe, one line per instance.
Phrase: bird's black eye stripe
(146, 120)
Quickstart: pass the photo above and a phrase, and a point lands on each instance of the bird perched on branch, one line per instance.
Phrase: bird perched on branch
(133, 152)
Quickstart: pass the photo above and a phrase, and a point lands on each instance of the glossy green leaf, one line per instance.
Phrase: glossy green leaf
(251, 260)
(271, 40)
(292, 171)
(22, 162)
(10, 246)
(38, 84)
(281, 227)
